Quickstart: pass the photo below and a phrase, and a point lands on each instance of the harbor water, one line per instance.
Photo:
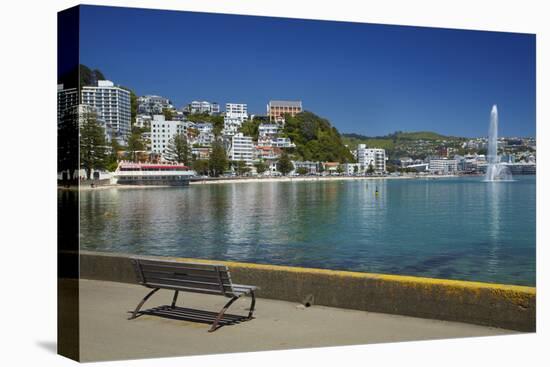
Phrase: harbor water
(455, 228)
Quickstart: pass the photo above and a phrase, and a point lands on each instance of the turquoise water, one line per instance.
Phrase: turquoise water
(457, 228)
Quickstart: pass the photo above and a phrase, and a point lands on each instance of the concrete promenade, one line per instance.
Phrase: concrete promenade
(486, 304)
(106, 334)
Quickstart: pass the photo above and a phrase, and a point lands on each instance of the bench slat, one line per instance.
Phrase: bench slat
(156, 274)
(184, 283)
(180, 265)
(187, 289)
(185, 272)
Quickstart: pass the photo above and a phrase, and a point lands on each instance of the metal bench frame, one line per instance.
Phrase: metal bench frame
(190, 277)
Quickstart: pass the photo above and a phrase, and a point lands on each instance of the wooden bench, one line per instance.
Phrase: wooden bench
(190, 277)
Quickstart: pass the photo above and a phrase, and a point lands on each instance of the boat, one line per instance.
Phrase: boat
(159, 174)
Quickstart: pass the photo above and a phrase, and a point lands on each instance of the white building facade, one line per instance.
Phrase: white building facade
(162, 131)
(211, 108)
(350, 169)
(153, 105)
(268, 130)
(241, 148)
(205, 136)
(143, 121)
(310, 166)
(231, 125)
(443, 166)
(66, 99)
(371, 156)
(112, 104)
(236, 111)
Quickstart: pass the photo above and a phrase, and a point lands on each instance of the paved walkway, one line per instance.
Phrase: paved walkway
(106, 334)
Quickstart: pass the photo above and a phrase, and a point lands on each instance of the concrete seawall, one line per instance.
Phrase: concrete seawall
(503, 306)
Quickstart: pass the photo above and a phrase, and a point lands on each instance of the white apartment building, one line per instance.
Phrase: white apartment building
(153, 105)
(231, 125)
(162, 131)
(205, 136)
(443, 166)
(143, 121)
(241, 149)
(236, 111)
(268, 130)
(282, 143)
(352, 169)
(311, 167)
(204, 139)
(211, 108)
(66, 99)
(112, 104)
(204, 127)
(371, 156)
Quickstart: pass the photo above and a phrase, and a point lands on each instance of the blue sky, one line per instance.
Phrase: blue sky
(365, 78)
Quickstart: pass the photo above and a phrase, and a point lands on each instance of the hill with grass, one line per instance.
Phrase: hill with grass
(315, 138)
(416, 144)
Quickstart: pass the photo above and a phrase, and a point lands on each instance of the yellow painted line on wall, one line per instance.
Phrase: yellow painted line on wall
(387, 277)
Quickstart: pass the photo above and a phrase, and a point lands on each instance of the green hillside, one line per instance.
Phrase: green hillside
(316, 139)
(399, 144)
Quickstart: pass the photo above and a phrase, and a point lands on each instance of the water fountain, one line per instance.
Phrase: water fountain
(496, 171)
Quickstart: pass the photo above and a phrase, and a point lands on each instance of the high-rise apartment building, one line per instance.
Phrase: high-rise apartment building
(66, 99)
(112, 104)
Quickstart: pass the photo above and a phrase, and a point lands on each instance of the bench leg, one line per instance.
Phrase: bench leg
(174, 299)
(252, 304)
(134, 314)
(220, 315)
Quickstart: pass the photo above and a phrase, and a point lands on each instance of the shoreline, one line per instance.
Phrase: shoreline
(256, 180)
(303, 179)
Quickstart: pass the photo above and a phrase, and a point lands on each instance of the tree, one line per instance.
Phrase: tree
(340, 169)
(241, 168)
(88, 76)
(355, 169)
(284, 165)
(250, 128)
(315, 138)
(68, 144)
(321, 167)
(93, 149)
(218, 159)
(112, 159)
(201, 167)
(168, 114)
(135, 144)
(261, 167)
(302, 171)
(370, 169)
(216, 120)
(178, 150)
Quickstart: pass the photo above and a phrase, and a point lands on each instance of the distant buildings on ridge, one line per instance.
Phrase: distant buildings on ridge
(160, 122)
